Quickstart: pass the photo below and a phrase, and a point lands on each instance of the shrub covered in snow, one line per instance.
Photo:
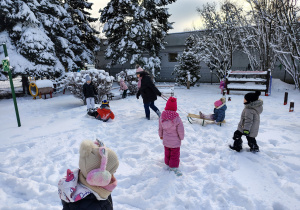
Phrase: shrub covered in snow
(100, 79)
(129, 76)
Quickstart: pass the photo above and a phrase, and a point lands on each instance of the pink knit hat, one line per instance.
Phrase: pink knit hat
(171, 104)
(139, 70)
(218, 103)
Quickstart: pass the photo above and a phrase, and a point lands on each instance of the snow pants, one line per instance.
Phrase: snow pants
(237, 137)
(124, 94)
(90, 103)
(172, 157)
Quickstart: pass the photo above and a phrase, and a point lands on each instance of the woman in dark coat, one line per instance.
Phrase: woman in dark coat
(149, 93)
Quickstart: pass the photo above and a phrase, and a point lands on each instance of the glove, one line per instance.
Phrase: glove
(137, 96)
(159, 94)
(246, 132)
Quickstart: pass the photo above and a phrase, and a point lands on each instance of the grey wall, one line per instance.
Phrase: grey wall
(176, 45)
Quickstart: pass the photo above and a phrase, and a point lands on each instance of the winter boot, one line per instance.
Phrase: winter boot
(176, 171)
(252, 144)
(158, 113)
(201, 115)
(237, 144)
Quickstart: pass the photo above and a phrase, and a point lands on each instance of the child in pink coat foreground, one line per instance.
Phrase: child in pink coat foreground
(171, 131)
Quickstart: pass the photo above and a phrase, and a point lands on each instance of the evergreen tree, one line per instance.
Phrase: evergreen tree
(7, 9)
(88, 43)
(188, 63)
(118, 17)
(29, 37)
(55, 20)
(157, 15)
(135, 31)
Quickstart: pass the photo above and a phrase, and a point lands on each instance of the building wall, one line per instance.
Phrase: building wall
(175, 44)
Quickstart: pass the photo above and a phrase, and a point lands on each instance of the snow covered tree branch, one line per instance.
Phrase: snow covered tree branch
(219, 40)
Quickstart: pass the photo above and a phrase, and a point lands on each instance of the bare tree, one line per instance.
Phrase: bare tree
(258, 32)
(218, 41)
(287, 47)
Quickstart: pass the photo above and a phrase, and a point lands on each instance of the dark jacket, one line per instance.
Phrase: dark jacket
(89, 90)
(219, 113)
(90, 202)
(147, 89)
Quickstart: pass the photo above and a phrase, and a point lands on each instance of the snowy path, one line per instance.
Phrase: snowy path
(36, 155)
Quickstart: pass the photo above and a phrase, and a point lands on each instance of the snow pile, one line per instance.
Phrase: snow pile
(37, 154)
(43, 83)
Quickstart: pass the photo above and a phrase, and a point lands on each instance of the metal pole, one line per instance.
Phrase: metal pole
(12, 88)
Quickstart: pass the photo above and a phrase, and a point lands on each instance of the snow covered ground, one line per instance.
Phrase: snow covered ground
(37, 154)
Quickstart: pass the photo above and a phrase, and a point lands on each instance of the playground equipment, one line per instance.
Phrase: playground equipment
(40, 87)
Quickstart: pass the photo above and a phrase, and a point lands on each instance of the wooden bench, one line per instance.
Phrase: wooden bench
(248, 81)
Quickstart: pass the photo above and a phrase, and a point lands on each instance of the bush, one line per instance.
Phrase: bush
(100, 79)
(129, 76)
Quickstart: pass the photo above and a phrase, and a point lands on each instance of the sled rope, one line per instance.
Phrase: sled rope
(166, 99)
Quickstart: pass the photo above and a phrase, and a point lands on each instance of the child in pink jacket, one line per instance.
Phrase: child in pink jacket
(171, 131)
(123, 87)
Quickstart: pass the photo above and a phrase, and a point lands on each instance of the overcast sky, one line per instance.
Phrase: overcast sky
(183, 13)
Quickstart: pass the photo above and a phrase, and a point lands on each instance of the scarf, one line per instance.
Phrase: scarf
(71, 188)
(169, 115)
(139, 82)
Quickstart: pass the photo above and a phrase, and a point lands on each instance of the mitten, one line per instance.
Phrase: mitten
(137, 96)
(246, 132)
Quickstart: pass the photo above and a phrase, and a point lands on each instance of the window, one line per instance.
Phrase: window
(173, 57)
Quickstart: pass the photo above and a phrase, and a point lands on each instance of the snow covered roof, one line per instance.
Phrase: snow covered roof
(178, 39)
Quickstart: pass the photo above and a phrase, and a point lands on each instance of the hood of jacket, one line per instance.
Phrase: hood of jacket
(70, 190)
(222, 107)
(256, 105)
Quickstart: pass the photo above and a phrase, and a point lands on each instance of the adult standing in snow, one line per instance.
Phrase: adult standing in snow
(148, 91)
(123, 87)
(89, 92)
(249, 123)
(90, 186)
(171, 131)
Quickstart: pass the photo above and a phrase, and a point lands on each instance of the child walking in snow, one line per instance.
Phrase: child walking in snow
(123, 87)
(89, 92)
(249, 123)
(219, 112)
(90, 186)
(171, 131)
(104, 113)
(222, 85)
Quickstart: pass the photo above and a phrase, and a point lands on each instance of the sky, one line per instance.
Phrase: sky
(184, 14)
(35, 156)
